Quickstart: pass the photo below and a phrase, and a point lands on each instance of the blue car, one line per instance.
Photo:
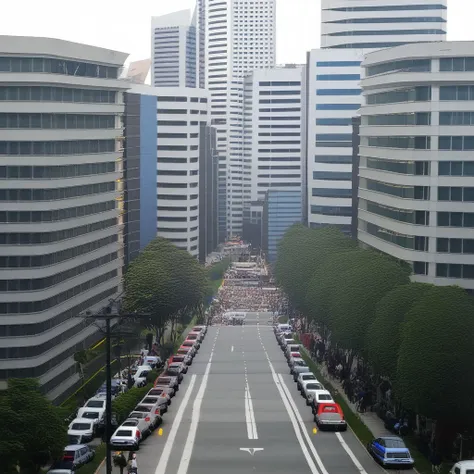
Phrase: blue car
(390, 451)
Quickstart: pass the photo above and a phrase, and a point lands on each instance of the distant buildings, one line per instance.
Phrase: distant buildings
(62, 203)
(416, 169)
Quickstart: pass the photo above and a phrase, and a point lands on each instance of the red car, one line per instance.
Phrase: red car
(330, 415)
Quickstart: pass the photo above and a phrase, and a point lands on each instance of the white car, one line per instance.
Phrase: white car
(83, 427)
(139, 423)
(309, 388)
(150, 412)
(145, 417)
(98, 417)
(304, 378)
(139, 377)
(95, 403)
(126, 436)
(318, 396)
(160, 392)
(156, 402)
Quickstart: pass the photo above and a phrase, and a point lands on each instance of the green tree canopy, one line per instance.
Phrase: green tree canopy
(367, 278)
(384, 335)
(436, 361)
(33, 430)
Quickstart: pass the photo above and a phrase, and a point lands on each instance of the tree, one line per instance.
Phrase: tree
(33, 430)
(436, 361)
(384, 335)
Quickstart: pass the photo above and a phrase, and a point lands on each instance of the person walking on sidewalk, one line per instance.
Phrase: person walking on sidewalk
(435, 461)
(133, 466)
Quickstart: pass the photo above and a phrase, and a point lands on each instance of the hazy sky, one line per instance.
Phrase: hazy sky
(124, 25)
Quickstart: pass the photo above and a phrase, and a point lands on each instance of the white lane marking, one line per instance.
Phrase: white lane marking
(250, 415)
(302, 426)
(252, 451)
(293, 420)
(165, 455)
(232, 349)
(196, 415)
(353, 457)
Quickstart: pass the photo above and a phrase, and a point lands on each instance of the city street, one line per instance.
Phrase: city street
(238, 410)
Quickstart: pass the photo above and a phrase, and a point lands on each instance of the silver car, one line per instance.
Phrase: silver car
(299, 367)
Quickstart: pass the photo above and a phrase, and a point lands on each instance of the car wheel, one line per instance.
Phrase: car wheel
(344, 428)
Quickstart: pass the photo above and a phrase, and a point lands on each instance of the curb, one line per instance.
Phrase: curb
(101, 465)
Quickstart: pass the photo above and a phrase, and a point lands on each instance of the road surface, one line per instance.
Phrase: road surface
(238, 411)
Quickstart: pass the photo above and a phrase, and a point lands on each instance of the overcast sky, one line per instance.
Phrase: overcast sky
(124, 25)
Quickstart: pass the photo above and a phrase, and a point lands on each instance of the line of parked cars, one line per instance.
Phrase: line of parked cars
(386, 450)
(145, 417)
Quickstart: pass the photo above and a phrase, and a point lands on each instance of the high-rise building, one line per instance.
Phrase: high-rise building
(416, 170)
(179, 114)
(375, 24)
(173, 46)
(272, 131)
(239, 37)
(61, 193)
(349, 30)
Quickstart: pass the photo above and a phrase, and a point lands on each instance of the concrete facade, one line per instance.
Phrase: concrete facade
(61, 217)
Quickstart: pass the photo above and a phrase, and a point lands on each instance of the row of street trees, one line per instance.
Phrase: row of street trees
(419, 335)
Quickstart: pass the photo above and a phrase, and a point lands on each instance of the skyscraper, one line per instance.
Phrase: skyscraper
(349, 30)
(173, 46)
(61, 217)
(239, 36)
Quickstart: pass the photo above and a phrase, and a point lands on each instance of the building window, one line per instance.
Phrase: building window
(456, 219)
(456, 193)
(456, 168)
(418, 118)
(415, 94)
(453, 270)
(465, 246)
(456, 93)
(332, 193)
(403, 215)
(410, 242)
(418, 168)
(332, 210)
(456, 64)
(405, 192)
(76, 147)
(337, 106)
(417, 143)
(406, 65)
(56, 94)
(332, 175)
(336, 159)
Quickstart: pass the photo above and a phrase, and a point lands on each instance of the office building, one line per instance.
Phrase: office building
(239, 37)
(61, 213)
(173, 46)
(376, 24)
(282, 208)
(416, 190)
(349, 30)
(208, 189)
(272, 131)
(179, 114)
(355, 175)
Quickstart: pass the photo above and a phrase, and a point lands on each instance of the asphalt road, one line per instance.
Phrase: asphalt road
(238, 411)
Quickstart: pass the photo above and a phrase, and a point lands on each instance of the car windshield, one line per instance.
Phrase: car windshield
(178, 358)
(95, 404)
(164, 380)
(80, 426)
(300, 363)
(309, 377)
(137, 414)
(142, 408)
(324, 396)
(394, 443)
(149, 401)
(130, 423)
(73, 439)
(314, 386)
(156, 391)
(124, 433)
(91, 415)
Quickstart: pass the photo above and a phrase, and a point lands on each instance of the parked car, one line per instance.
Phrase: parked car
(62, 467)
(292, 348)
(160, 392)
(390, 451)
(126, 438)
(306, 376)
(156, 401)
(98, 417)
(141, 374)
(82, 427)
(462, 467)
(151, 412)
(139, 423)
(170, 391)
(201, 328)
(184, 358)
(150, 423)
(194, 338)
(191, 343)
(199, 334)
(188, 354)
(168, 381)
(299, 367)
(176, 369)
(78, 454)
(330, 415)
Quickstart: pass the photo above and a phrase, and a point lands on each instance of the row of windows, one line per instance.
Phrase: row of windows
(55, 194)
(74, 147)
(56, 94)
(290, 92)
(57, 66)
(417, 94)
(331, 211)
(279, 101)
(456, 168)
(406, 192)
(454, 270)
(456, 64)
(34, 238)
(29, 307)
(387, 8)
(55, 172)
(57, 121)
(338, 63)
(13, 217)
(332, 175)
(280, 83)
(338, 77)
(418, 118)
(331, 192)
(417, 143)
(406, 65)
(455, 245)
(337, 106)
(456, 143)
(176, 160)
(455, 219)
(334, 121)
(21, 330)
(456, 118)
(35, 284)
(456, 93)
(286, 109)
(419, 168)
(338, 92)
(403, 215)
(388, 32)
(406, 241)
(279, 134)
(456, 193)
(163, 98)
(375, 44)
(339, 159)
(174, 197)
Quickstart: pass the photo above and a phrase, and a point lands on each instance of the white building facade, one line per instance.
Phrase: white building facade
(173, 50)
(272, 131)
(416, 190)
(61, 211)
(349, 30)
(239, 37)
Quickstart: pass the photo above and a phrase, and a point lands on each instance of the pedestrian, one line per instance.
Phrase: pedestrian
(435, 461)
(133, 466)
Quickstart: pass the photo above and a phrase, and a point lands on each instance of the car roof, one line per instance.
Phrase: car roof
(75, 447)
(95, 399)
(82, 420)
